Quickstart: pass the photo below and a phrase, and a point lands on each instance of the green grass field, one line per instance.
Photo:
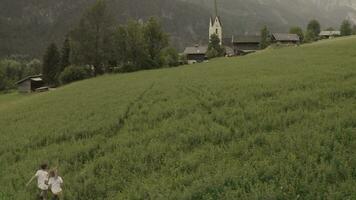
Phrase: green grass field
(279, 124)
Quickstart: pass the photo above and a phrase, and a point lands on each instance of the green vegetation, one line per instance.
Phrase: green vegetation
(15, 68)
(346, 28)
(299, 31)
(214, 47)
(265, 38)
(279, 124)
(313, 30)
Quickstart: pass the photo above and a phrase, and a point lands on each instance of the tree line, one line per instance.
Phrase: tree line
(16, 67)
(97, 45)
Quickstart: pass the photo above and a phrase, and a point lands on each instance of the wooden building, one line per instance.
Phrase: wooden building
(285, 38)
(329, 34)
(243, 45)
(31, 84)
(196, 54)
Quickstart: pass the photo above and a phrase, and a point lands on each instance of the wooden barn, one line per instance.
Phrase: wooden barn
(285, 38)
(329, 34)
(243, 45)
(196, 54)
(31, 84)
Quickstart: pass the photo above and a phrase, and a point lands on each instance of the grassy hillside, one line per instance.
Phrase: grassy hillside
(279, 124)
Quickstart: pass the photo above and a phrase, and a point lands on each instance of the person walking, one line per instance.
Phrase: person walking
(42, 180)
(55, 183)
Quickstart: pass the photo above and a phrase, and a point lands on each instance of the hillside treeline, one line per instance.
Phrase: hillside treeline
(98, 45)
(14, 68)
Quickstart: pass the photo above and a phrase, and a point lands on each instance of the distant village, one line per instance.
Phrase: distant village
(219, 45)
(246, 44)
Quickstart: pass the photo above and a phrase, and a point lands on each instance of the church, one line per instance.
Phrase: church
(240, 45)
(234, 45)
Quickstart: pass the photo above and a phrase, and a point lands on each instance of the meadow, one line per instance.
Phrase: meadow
(278, 124)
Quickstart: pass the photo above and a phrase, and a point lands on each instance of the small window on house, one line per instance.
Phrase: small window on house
(216, 31)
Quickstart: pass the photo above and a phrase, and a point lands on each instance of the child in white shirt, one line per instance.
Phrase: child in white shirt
(55, 182)
(42, 179)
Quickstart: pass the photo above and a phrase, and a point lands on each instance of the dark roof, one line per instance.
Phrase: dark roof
(33, 78)
(196, 50)
(286, 37)
(247, 39)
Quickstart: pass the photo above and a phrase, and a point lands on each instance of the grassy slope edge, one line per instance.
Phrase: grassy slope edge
(279, 124)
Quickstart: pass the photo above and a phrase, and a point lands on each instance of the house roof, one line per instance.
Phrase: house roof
(33, 78)
(247, 39)
(329, 33)
(286, 37)
(196, 50)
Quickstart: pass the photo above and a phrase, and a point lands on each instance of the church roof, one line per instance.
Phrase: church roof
(213, 19)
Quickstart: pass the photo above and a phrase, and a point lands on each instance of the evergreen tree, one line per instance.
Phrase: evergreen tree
(65, 55)
(51, 61)
(92, 39)
(346, 28)
(214, 48)
(297, 30)
(313, 30)
(156, 41)
(265, 38)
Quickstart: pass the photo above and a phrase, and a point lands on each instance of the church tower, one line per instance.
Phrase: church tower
(215, 26)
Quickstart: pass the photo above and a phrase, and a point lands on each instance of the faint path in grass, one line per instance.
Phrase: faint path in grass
(106, 133)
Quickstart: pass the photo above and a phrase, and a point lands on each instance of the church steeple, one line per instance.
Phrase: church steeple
(215, 26)
(216, 8)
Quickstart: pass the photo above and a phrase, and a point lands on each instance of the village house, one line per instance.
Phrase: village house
(31, 84)
(243, 45)
(195, 54)
(329, 34)
(285, 38)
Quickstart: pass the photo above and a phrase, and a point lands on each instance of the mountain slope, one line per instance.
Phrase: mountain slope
(280, 15)
(279, 124)
(28, 26)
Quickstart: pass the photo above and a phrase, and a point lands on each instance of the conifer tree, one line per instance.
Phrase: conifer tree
(51, 61)
(346, 28)
(214, 48)
(65, 55)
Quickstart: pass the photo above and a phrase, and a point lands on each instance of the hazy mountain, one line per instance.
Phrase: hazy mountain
(247, 16)
(27, 26)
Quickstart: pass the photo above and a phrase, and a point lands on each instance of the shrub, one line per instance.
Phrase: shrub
(170, 57)
(74, 73)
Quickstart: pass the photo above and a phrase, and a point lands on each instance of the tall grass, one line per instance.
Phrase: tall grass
(279, 124)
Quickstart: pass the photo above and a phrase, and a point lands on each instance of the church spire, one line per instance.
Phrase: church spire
(216, 8)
